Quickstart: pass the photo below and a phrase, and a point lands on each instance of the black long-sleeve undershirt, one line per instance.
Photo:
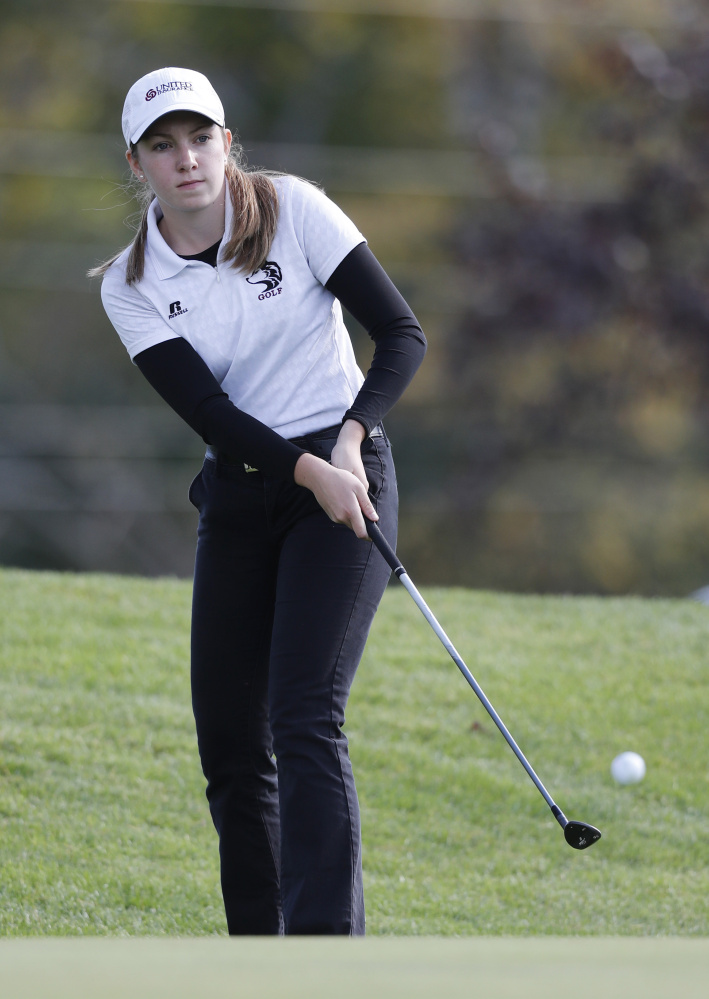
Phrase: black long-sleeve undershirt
(178, 373)
(366, 291)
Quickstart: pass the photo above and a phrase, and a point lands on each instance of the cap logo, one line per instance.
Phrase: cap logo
(165, 87)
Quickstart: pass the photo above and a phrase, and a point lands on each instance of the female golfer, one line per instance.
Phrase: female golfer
(228, 301)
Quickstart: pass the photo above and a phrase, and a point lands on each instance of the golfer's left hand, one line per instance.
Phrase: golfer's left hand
(347, 452)
(340, 493)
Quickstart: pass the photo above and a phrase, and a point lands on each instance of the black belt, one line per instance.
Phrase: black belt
(319, 435)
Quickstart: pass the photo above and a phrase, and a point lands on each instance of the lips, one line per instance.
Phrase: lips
(189, 184)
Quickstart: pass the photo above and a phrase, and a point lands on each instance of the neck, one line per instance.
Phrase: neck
(192, 232)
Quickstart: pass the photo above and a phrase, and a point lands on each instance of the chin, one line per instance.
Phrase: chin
(192, 202)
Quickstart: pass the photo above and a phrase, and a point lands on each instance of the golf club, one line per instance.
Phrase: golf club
(579, 835)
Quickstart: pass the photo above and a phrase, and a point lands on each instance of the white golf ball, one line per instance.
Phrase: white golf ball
(628, 768)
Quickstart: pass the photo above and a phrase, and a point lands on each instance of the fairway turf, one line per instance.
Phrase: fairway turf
(319, 968)
(104, 829)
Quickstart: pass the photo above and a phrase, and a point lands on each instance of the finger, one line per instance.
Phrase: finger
(366, 506)
(361, 475)
(358, 526)
(358, 469)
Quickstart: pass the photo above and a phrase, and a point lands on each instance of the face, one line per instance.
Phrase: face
(182, 156)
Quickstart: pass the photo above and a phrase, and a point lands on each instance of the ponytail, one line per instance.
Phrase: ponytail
(136, 257)
(255, 202)
(255, 218)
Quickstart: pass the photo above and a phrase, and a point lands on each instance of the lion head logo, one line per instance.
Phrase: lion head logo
(269, 275)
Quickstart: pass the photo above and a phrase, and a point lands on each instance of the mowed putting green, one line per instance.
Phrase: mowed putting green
(104, 828)
(320, 968)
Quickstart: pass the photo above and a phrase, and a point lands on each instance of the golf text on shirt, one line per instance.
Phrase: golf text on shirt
(275, 339)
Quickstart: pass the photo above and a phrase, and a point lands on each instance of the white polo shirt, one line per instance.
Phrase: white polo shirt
(275, 340)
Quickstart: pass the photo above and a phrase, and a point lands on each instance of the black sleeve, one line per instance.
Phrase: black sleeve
(178, 373)
(366, 291)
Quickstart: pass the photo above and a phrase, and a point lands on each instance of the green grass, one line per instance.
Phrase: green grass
(104, 828)
(378, 967)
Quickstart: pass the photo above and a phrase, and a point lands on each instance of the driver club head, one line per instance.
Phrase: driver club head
(580, 835)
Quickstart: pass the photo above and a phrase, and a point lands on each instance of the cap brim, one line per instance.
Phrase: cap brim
(149, 120)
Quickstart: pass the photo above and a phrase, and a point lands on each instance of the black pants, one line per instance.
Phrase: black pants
(283, 603)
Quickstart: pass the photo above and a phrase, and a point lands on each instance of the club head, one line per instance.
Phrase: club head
(580, 835)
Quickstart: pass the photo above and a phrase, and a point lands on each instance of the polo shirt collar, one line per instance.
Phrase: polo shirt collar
(167, 263)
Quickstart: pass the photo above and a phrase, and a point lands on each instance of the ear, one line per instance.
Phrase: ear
(134, 165)
(227, 141)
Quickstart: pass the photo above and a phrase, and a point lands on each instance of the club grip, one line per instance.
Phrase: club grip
(384, 547)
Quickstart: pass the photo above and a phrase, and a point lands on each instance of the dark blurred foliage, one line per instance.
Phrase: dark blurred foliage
(580, 364)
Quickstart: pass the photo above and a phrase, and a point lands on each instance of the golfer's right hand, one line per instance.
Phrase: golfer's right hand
(341, 494)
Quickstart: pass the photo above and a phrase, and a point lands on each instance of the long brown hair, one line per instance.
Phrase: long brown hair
(255, 203)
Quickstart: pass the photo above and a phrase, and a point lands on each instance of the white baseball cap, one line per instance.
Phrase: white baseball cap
(165, 90)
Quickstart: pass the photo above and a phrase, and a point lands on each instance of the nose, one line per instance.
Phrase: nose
(187, 159)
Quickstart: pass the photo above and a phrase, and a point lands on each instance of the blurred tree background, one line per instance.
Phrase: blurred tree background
(531, 173)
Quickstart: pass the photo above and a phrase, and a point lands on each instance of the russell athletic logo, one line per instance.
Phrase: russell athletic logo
(270, 276)
(176, 310)
(165, 87)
